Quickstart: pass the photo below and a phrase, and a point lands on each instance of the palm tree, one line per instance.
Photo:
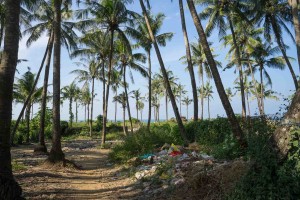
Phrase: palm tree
(140, 107)
(275, 15)
(229, 93)
(86, 100)
(237, 131)
(77, 97)
(130, 61)
(172, 82)
(136, 94)
(23, 89)
(208, 94)
(87, 76)
(110, 15)
(187, 101)
(7, 73)
(141, 34)
(121, 99)
(116, 82)
(189, 61)
(180, 90)
(69, 92)
(218, 13)
(157, 92)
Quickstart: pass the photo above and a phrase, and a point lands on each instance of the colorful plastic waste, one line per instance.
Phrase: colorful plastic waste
(175, 153)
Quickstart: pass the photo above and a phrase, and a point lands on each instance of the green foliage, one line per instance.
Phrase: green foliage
(99, 123)
(64, 126)
(17, 166)
(268, 178)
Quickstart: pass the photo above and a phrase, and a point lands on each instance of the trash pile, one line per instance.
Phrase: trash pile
(166, 167)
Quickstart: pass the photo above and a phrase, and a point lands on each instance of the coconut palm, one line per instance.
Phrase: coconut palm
(121, 99)
(89, 75)
(219, 14)
(69, 92)
(180, 91)
(208, 94)
(140, 107)
(157, 92)
(131, 61)
(229, 93)
(23, 89)
(86, 98)
(141, 34)
(275, 16)
(189, 61)
(111, 15)
(136, 94)
(77, 97)
(187, 101)
(164, 72)
(116, 82)
(172, 82)
(237, 131)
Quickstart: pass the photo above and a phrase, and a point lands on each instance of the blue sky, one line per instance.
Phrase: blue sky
(282, 81)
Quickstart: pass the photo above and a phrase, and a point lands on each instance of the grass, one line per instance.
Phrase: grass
(18, 166)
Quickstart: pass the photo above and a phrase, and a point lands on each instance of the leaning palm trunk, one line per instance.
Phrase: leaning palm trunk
(30, 94)
(92, 107)
(42, 146)
(282, 48)
(189, 61)
(239, 64)
(236, 129)
(107, 88)
(7, 74)
(281, 138)
(149, 105)
(126, 97)
(163, 69)
(294, 5)
(56, 153)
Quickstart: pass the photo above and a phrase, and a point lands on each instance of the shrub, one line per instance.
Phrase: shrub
(99, 123)
(64, 126)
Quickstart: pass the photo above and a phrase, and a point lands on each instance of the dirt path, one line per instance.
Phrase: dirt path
(98, 178)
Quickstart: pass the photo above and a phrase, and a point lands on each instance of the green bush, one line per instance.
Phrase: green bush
(64, 126)
(99, 123)
(268, 178)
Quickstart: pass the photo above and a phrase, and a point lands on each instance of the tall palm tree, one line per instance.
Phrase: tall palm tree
(77, 97)
(229, 93)
(236, 129)
(180, 90)
(111, 15)
(69, 92)
(172, 82)
(157, 92)
(218, 13)
(121, 99)
(208, 94)
(187, 101)
(136, 94)
(131, 61)
(7, 73)
(189, 61)
(142, 35)
(116, 82)
(275, 15)
(140, 107)
(89, 75)
(86, 100)
(23, 89)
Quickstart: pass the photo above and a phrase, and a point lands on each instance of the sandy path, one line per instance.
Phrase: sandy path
(98, 179)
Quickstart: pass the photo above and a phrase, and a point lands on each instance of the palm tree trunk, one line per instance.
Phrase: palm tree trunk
(31, 117)
(70, 111)
(7, 74)
(124, 124)
(239, 65)
(107, 88)
(30, 94)
(84, 112)
(92, 107)
(150, 79)
(137, 110)
(27, 118)
(255, 87)
(236, 129)
(126, 97)
(281, 139)
(88, 113)
(189, 61)
(248, 104)
(167, 107)
(282, 48)
(294, 5)
(180, 103)
(56, 153)
(42, 146)
(202, 96)
(103, 88)
(208, 108)
(76, 110)
(116, 105)
(165, 75)
(262, 91)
